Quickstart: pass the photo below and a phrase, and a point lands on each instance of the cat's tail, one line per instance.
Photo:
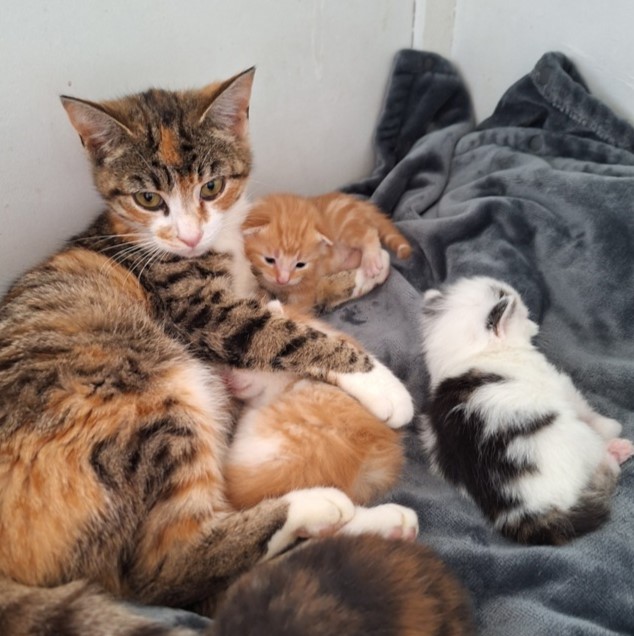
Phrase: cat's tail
(80, 608)
(392, 238)
(557, 526)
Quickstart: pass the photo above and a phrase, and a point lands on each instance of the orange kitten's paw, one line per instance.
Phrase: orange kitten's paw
(373, 262)
(389, 520)
(381, 392)
(313, 512)
(364, 283)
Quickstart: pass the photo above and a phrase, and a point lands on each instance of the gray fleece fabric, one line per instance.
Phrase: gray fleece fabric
(540, 195)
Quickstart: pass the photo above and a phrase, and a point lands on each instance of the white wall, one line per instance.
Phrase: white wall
(322, 71)
(495, 42)
(322, 67)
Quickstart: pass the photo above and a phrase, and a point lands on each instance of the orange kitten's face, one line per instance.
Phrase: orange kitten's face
(171, 166)
(282, 241)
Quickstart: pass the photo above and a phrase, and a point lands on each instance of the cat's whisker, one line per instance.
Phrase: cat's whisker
(152, 259)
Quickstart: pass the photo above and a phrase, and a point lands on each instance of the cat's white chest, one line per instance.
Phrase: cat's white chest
(231, 241)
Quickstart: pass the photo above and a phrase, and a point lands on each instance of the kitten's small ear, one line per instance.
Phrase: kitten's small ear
(324, 239)
(432, 299)
(96, 127)
(431, 294)
(228, 103)
(255, 222)
(498, 318)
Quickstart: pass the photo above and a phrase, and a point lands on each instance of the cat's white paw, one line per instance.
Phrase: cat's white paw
(606, 426)
(389, 520)
(275, 307)
(365, 282)
(381, 392)
(312, 512)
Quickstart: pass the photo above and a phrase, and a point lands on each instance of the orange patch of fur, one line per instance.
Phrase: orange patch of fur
(324, 438)
(168, 147)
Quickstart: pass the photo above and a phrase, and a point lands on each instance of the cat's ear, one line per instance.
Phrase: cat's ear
(96, 127)
(322, 238)
(254, 224)
(227, 104)
(432, 300)
(499, 316)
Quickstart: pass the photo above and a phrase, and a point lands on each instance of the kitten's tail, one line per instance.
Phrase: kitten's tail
(80, 608)
(392, 238)
(557, 526)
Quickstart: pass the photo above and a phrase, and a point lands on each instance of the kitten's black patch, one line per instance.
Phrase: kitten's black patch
(465, 455)
(556, 527)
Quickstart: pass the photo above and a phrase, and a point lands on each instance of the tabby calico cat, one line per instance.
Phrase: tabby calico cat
(113, 423)
(297, 432)
(316, 253)
(363, 586)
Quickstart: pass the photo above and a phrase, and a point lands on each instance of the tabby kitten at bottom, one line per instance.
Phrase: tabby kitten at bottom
(315, 253)
(113, 419)
(353, 586)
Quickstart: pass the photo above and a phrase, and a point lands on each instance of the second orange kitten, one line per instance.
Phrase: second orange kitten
(318, 252)
(298, 433)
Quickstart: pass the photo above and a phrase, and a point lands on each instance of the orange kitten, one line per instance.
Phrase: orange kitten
(316, 253)
(296, 432)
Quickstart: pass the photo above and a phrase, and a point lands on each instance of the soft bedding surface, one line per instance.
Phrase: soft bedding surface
(541, 195)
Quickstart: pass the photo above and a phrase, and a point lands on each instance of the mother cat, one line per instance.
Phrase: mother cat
(112, 421)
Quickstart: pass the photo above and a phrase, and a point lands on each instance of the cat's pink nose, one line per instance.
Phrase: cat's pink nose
(281, 278)
(191, 239)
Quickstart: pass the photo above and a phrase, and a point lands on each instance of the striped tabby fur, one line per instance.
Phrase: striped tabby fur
(113, 421)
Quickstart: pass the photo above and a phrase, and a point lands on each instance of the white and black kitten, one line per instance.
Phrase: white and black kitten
(508, 428)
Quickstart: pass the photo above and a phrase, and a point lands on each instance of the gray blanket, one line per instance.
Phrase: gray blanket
(539, 195)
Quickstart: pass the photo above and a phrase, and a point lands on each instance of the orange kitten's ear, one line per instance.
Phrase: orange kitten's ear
(228, 103)
(255, 222)
(96, 127)
(323, 237)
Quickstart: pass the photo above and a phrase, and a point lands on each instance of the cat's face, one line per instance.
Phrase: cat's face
(282, 241)
(171, 166)
(472, 316)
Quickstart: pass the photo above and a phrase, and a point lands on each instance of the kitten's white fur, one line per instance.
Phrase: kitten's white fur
(456, 340)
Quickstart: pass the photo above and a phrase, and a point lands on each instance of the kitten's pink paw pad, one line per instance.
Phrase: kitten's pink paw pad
(389, 520)
(372, 264)
(364, 283)
(621, 449)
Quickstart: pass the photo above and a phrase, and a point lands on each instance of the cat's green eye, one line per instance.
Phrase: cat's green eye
(148, 200)
(300, 265)
(270, 260)
(212, 189)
